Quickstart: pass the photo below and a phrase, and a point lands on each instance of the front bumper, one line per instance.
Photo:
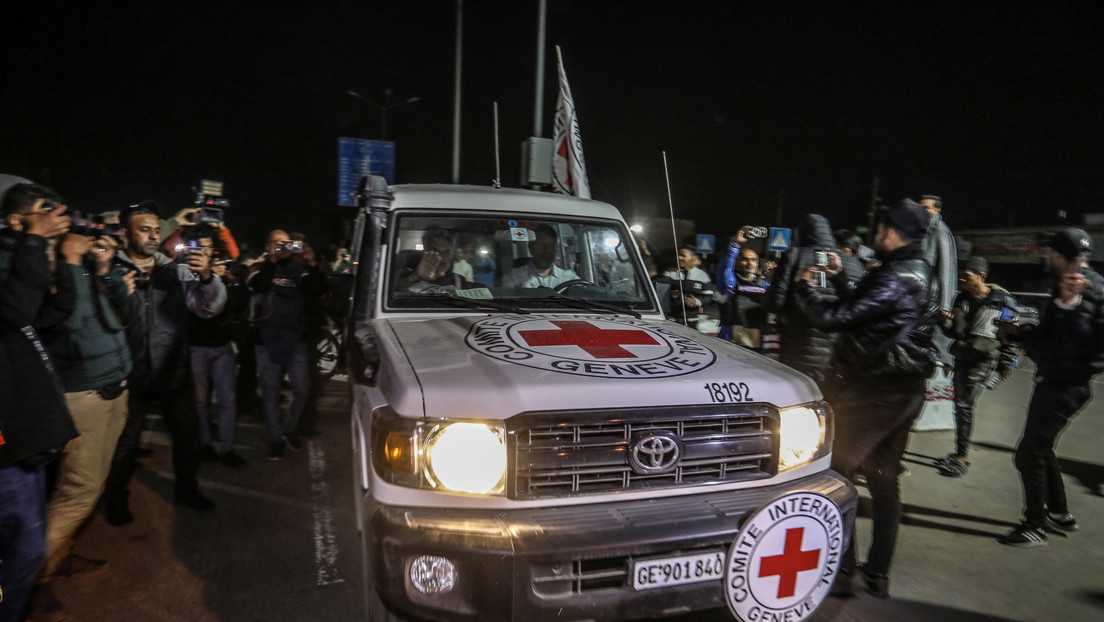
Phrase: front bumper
(566, 563)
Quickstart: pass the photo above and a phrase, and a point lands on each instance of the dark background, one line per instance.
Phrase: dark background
(994, 105)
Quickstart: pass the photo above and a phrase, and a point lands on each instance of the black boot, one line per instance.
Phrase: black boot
(877, 585)
(115, 510)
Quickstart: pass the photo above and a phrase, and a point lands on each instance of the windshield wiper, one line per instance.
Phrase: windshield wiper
(470, 303)
(589, 305)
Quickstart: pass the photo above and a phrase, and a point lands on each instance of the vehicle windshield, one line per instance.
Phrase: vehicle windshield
(519, 261)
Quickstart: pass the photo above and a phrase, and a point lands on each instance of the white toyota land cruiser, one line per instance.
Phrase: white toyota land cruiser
(534, 441)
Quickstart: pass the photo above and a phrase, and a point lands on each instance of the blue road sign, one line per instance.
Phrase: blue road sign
(357, 157)
(779, 239)
(705, 243)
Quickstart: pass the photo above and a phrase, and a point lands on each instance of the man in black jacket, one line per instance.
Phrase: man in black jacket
(882, 360)
(34, 422)
(157, 335)
(1067, 346)
(287, 293)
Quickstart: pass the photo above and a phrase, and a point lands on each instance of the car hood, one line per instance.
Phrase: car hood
(494, 367)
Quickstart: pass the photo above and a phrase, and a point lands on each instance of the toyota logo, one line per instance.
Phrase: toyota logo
(655, 452)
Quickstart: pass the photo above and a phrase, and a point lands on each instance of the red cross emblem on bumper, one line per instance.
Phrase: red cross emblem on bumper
(792, 561)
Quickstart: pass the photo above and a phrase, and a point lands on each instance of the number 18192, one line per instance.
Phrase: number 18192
(728, 392)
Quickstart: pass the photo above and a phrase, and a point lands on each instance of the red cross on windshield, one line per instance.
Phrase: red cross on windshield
(792, 561)
(598, 342)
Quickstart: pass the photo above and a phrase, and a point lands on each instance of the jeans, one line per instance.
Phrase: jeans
(968, 383)
(22, 536)
(271, 373)
(215, 365)
(872, 432)
(179, 412)
(1049, 412)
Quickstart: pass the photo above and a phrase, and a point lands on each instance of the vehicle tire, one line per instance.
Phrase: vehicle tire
(328, 352)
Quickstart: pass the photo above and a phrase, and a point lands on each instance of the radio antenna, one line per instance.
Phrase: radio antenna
(497, 182)
(674, 238)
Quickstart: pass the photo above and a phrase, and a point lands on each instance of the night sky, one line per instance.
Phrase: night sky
(994, 105)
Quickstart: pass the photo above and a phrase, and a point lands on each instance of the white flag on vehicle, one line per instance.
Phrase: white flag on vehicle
(568, 167)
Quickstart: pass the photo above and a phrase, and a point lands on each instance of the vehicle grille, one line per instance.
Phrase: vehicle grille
(587, 576)
(589, 453)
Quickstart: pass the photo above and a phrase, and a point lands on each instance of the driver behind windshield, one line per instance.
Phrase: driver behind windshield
(432, 269)
(541, 270)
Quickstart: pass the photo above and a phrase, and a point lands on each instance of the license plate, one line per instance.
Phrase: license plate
(667, 571)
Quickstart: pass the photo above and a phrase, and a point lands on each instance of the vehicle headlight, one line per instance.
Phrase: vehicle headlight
(466, 457)
(802, 431)
(454, 456)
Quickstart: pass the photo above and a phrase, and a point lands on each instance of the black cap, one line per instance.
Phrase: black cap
(1069, 243)
(977, 265)
(908, 217)
(148, 206)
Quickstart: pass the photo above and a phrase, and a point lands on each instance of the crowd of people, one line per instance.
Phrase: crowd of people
(106, 321)
(868, 326)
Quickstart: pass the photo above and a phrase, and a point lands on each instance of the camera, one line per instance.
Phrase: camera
(820, 259)
(210, 209)
(756, 232)
(290, 246)
(92, 227)
(189, 246)
(205, 216)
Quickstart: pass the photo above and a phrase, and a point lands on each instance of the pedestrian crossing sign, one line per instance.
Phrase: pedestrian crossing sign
(705, 243)
(779, 239)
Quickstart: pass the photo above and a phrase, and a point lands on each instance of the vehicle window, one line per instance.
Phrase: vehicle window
(520, 260)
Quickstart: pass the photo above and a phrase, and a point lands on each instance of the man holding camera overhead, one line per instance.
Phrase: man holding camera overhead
(157, 329)
(742, 289)
(287, 294)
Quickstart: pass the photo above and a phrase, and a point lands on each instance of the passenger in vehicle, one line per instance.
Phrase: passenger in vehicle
(431, 270)
(541, 271)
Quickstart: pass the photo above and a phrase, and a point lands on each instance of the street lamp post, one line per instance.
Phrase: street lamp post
(384, 107)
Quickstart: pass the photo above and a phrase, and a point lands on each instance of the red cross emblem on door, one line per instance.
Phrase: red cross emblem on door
(792, 561)
(601, 343)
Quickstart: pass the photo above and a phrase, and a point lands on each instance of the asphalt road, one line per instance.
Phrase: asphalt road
(282, 544)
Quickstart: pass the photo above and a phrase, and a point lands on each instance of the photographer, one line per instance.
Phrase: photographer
(287, 301)
(90, 353)
(805, 347)
(226, 247)
(1067, 346)
(34, 421)
(882, 361)
(211, 350)
(157, 331)
(742, 289)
